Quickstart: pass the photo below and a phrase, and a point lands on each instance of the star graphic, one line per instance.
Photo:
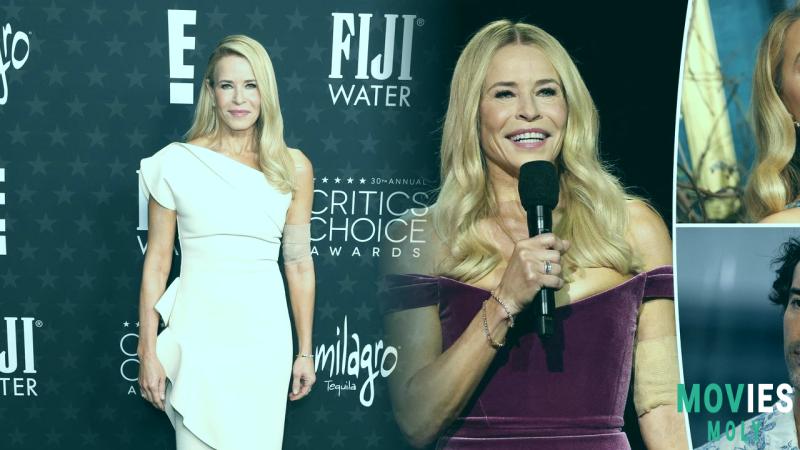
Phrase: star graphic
(95, 76)
(315, 52)
(337, 180)
(86, 334)
(78, 166)
(95, 14)
(53, 12)
(215, 18)
(156, 47)
(102, 196)
(327, 310)
(337, 439)
(362, 181)
(390, 115)
(48, 279)
(45, 223)
(117, 167)
(351, 115)
(331, 144)
(349, 180)
(294, 82)
(256, 18)
(65, 252)
(76, 107)
(17, 135)
(57, 136)
(368, 144)
(53, 437)
(64, 195)
(155, 108)
(84, 224)
(67, 307)
(116, 107)
(36, 106)
(74, 45)
(321, 414)
(9, 279)
(96, 137)
(296, 20)
(114, 46)
(276, 50)
(55, 75)
(346, 284)
(324, 180)
(25, 194)
(135, 78)
(39, 166)
(312, 113)
(135, 15)
(363, 311)
(85, 280)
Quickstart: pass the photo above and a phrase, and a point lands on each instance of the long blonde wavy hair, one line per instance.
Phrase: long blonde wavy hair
(775, 179)
(592, 203)
(273, 154)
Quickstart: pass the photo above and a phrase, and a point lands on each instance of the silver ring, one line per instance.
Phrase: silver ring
(548, 267)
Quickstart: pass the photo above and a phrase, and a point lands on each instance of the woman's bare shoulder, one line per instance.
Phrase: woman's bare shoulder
(648, 235)
(791, 215)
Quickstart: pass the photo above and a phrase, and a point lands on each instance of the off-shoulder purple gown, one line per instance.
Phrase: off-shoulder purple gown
(566, 393)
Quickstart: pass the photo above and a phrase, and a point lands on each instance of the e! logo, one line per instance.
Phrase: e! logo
(180, 93)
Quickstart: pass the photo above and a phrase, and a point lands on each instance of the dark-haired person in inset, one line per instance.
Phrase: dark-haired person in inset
(464, 376)
(772, 194)
(238, 196)
(777, 430)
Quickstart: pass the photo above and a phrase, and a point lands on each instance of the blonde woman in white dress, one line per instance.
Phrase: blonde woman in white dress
(222, 367)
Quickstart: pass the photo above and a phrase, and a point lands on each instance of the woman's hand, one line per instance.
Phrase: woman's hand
(527, 271)
(303, 377)
(152, 380)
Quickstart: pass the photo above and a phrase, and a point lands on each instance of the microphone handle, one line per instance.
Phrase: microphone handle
(540, 222)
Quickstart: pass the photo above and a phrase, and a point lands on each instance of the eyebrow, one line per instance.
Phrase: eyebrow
(794, 290)
(514, 83)
(231, 81)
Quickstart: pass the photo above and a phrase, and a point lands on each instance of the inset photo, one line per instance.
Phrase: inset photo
(739, 313)
(739, 114)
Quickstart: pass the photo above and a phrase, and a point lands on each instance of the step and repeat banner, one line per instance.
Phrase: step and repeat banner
(90, 88)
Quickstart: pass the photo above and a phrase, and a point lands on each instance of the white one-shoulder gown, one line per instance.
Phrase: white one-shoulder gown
(227, 347)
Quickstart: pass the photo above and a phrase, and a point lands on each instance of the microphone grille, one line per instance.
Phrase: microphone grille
(538, 184)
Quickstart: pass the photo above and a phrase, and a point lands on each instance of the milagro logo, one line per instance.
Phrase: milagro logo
(18, 386)
(11, 55)
(758, 399)
(364, 361)
(375, 68)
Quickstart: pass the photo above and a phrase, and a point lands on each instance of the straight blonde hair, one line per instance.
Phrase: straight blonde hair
(273, 155)
(592, 204)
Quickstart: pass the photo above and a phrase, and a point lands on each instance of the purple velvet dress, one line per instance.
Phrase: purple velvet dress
(568, 392)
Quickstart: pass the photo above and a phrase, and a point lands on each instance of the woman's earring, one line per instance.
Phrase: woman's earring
(796, 124)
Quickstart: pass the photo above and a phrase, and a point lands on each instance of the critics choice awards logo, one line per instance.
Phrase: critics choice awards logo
(17, 360)
(378, 79)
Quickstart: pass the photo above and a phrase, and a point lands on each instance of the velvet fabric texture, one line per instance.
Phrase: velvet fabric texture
(567, 392)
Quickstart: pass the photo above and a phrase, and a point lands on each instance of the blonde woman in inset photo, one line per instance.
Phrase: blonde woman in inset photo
(772, 194)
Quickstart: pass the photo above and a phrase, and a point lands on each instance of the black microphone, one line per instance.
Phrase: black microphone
(538, 191)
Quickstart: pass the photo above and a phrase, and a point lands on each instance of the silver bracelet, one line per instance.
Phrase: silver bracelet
(509, 317)
(304, 355)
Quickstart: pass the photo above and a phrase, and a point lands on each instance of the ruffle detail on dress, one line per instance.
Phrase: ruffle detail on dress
(166, 303)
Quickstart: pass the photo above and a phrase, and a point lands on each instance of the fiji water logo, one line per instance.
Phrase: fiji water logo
(731, 398)
(12, 55)
(10, 361)
(364, 361)
(379, 67)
